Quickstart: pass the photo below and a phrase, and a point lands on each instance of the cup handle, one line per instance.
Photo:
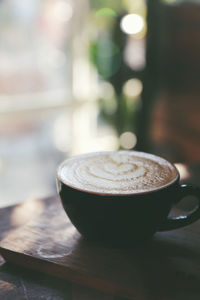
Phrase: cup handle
(177, 222)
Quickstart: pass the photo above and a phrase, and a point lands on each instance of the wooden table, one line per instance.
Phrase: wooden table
(20, 283)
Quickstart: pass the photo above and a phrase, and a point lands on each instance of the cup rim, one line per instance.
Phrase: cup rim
(137, 193)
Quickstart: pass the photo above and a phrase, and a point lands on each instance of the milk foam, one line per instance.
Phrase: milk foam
(117, 172)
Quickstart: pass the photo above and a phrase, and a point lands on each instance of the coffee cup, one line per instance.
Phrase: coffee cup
(122, 197)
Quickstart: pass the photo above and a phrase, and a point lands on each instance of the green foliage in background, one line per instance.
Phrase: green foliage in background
(107, 55)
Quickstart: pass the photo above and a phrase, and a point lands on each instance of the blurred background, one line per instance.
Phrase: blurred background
(81, 76)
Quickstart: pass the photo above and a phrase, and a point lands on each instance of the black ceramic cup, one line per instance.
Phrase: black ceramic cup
(126, 219)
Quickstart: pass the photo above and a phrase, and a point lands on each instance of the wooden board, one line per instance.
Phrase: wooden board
(38, 235)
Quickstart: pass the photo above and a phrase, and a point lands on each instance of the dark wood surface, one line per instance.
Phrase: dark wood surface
(17, 282)
(37, 235)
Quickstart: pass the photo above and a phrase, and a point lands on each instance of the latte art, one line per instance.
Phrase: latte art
(117, 172)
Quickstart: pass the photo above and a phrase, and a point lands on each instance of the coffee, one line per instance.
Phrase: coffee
(117, 172)
(122, 197)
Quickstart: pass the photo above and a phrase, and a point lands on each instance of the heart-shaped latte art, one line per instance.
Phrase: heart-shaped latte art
(117, 172)
(114, 168)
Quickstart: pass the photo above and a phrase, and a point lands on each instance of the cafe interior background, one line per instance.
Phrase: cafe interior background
(82, 76)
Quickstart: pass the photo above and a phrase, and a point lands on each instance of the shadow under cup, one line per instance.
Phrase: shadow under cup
(126, 219)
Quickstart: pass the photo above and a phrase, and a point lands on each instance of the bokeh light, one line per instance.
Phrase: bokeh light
(128, 140)
(132, 24)
(62, 11)
(106, 90)
(132, 88)
(134, 54)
